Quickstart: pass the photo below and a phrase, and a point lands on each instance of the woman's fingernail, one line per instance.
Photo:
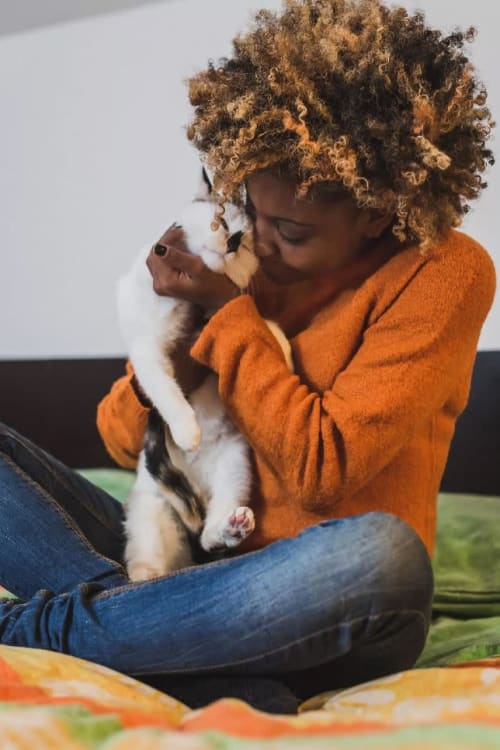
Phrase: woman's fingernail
(160, 250)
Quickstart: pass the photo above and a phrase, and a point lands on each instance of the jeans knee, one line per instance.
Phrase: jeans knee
(380, 556)
(403, 562)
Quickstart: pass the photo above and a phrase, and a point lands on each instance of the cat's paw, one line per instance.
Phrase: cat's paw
(283, 342)
(287, 353)
(240, 524)
(229, 533)
(186, 433)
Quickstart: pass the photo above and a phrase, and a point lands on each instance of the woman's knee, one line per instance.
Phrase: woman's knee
(403, 560)
(378, 554)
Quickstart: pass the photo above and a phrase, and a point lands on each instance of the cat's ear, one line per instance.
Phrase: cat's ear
(205, 190)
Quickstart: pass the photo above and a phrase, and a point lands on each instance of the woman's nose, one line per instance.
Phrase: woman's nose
(263, 242)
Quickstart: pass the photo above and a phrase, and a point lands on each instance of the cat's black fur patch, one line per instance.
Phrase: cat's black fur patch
(233, 242)
(160, 466)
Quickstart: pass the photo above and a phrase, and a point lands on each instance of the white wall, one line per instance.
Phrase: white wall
(94, 161)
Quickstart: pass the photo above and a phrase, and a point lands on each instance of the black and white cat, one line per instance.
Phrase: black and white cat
(193, 479)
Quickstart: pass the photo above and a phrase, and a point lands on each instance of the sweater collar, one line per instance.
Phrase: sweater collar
(293, 306)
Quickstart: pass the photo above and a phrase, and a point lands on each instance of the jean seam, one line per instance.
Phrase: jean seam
(194, 570)
(369, 618)
(58, 477)
(66, 518)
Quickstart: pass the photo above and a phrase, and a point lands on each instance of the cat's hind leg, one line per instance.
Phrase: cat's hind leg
(229, 519)
(238, 525)
(156, 541)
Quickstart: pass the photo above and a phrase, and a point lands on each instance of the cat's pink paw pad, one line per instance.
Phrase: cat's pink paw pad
(240, 524)
(230, 532)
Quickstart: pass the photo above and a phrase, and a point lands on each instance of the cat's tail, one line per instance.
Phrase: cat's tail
(183, 497)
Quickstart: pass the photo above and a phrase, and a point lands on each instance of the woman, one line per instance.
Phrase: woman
(356, 135)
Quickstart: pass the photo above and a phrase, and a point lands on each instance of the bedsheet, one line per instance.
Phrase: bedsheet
(50, 700)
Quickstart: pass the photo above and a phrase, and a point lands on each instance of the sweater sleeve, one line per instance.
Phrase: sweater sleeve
(322, 446)
(122, 420)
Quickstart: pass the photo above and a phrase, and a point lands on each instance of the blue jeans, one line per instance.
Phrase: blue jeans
(345, 601)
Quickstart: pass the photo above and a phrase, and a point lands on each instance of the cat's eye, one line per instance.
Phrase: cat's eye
(233, 242)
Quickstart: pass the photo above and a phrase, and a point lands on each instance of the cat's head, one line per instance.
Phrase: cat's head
(228, 249)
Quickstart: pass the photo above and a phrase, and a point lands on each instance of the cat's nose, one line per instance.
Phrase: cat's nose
(233, 242)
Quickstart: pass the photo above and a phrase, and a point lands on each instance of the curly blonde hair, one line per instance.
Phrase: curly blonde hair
(349, 95)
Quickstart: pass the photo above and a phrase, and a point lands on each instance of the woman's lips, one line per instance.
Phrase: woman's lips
(280, 272)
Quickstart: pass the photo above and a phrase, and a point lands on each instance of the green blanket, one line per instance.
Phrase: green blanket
(467, 581)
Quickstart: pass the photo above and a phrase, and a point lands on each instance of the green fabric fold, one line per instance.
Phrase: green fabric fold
(467, 556)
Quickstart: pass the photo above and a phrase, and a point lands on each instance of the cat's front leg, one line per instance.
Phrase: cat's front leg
(156, 375)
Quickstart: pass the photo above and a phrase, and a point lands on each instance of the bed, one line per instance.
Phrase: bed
(451, 699)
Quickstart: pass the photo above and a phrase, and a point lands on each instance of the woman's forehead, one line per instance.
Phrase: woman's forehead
(277, 196)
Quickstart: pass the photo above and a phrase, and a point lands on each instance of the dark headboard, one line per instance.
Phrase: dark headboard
(474, 460)
(53, 402)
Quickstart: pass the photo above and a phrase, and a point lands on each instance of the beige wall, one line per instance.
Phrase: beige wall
(94, 162)
(21, 15)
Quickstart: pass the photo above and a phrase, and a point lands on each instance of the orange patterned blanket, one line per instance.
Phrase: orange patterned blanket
(49, 700)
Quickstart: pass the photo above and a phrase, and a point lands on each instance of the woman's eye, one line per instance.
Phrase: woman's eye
(291, 240)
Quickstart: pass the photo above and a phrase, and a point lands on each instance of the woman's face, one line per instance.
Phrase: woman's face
(298, 239)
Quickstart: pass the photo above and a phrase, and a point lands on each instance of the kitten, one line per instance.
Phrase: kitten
(191, 492)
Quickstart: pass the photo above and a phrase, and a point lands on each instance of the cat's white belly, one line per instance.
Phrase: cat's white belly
(221, 448)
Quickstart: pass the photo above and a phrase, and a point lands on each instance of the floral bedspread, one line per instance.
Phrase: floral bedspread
(49, 700)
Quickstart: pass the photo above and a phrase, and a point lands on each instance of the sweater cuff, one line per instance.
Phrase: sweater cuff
(133, 404)
(237, 321)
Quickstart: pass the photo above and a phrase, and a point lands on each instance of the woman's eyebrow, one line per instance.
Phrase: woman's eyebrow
(250, 204)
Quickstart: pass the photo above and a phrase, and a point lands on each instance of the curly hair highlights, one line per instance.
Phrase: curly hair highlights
(354, 95)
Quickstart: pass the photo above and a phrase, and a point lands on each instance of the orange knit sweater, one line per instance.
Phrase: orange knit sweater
(383, 354)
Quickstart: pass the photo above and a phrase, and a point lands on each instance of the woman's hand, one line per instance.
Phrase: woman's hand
(177, 273)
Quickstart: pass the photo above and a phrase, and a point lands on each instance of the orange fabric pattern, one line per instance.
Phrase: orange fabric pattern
(63, 702)
(383, 355)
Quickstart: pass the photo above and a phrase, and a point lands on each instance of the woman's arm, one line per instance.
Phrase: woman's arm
(122, 417)
(322, 446)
